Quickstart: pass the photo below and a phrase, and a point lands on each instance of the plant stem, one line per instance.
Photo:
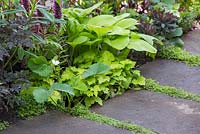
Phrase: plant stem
(8, 61)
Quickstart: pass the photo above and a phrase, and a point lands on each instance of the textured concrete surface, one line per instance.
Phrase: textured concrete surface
(60, 123)
(173, 73)
(159, 112)
(192, 41)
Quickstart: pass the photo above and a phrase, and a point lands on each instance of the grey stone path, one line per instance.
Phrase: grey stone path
(159, 112)
(192, 42)
(60, 123)
(173, 73)
(155, 111)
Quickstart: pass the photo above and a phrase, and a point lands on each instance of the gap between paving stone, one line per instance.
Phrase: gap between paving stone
(159, 112)
(173, 73)
(54, 122)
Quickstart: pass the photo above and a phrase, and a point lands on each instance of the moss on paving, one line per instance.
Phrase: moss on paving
(153, 85)
(176, 53)
(85, 113)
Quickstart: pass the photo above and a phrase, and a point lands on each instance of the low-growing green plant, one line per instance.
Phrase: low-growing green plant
(3, 125)
(187, 19)
(84, 112)
(109, 76)
(154, 86)
(29, 107)
(177, 53)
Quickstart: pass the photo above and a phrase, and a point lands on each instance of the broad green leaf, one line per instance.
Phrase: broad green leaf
(98, 68)
(102, 20)
(135, 35)
(21, 53)
(62, 87)
(122, 16)
(78, 84)
(119, 31)
(89, 10)
(177, 32)
(119, 43)
(41, 94)
(141, 45)
(127, 23)
(79, 40)
(148, 38)
(40, 66)
(100, 31)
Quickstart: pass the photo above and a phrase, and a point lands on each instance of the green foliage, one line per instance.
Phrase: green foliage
(95, 69)
(103, 30)
(107, 78)
(152, 85)
(29, 107)
(41, 94)
(3, 125)
(187, 20)
(10, 86)
(40, 66)
(83, 112)
(176, 53)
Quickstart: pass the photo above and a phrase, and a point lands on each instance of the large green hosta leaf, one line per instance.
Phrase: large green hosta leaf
(119, 43)
(116, 30)
(98, 68)
(127, 23)
(100, 31)
(102, 20)
(79, 40)
(141, 45)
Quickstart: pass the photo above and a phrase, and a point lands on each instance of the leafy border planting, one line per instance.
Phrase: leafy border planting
(154, 86)
(176, 53)
(85, 113)
(3, 125)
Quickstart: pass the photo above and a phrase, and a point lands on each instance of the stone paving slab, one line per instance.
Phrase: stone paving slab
(192, 42)
(173, 73)
(159, 112)
(60, 123)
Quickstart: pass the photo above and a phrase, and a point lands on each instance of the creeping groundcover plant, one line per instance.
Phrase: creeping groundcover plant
(65, 54)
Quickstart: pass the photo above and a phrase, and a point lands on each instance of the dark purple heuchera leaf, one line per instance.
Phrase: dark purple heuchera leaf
(26, 4)
(147, 28)
(57, 10)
